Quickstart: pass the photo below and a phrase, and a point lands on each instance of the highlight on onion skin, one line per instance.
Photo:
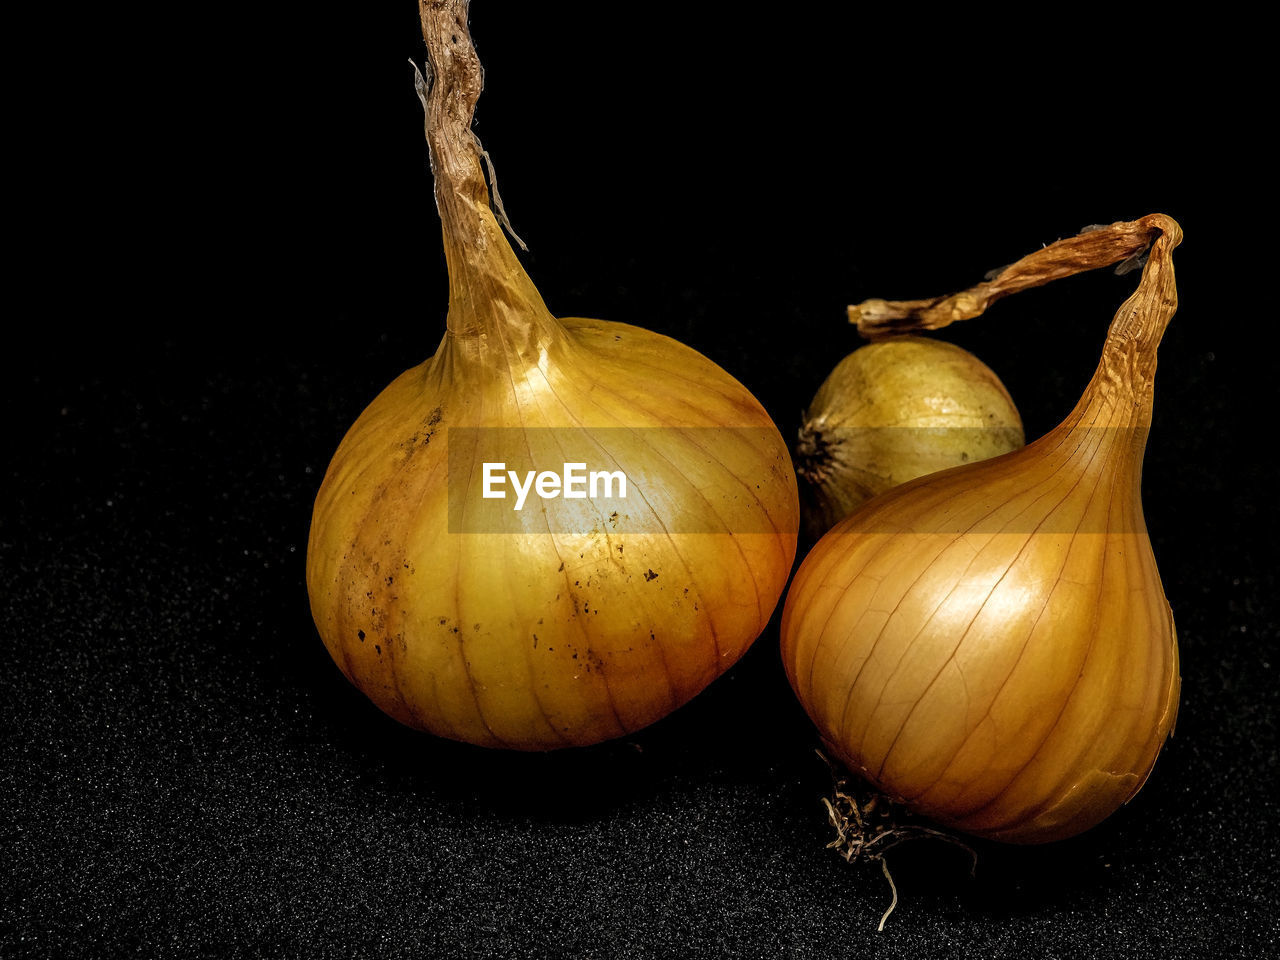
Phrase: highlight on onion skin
(991, 645)
(894, 410)
(533, 637)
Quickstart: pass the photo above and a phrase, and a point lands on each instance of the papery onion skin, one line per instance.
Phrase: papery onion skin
(540, 640)
(546, 640)
(892, 411)
(991, 645)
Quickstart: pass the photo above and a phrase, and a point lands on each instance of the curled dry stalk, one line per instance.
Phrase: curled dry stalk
(869, 824)
(1125, 243)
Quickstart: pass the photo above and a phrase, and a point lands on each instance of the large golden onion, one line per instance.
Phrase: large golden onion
(529, 630)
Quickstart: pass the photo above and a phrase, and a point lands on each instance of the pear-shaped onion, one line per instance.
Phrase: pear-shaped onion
(532, 634)
(991, 645)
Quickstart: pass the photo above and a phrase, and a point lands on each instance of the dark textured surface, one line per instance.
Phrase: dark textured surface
(184, 772)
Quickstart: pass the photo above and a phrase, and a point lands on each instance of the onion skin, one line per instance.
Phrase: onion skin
(991, 645)
(534, 639)
(545, 640)
(892, 411)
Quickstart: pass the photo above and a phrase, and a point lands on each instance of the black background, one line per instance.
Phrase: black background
(184, 770)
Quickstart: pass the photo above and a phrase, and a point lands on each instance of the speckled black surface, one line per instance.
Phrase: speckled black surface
(184, 772)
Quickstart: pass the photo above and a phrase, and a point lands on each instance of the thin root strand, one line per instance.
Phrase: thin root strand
(868, 828)
(884, 865)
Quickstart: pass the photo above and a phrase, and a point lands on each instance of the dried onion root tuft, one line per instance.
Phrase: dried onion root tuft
(869, 824)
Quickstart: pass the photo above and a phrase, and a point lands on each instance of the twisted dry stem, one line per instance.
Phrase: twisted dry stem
(483, 269)
(1095, 247)
(449, 94)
